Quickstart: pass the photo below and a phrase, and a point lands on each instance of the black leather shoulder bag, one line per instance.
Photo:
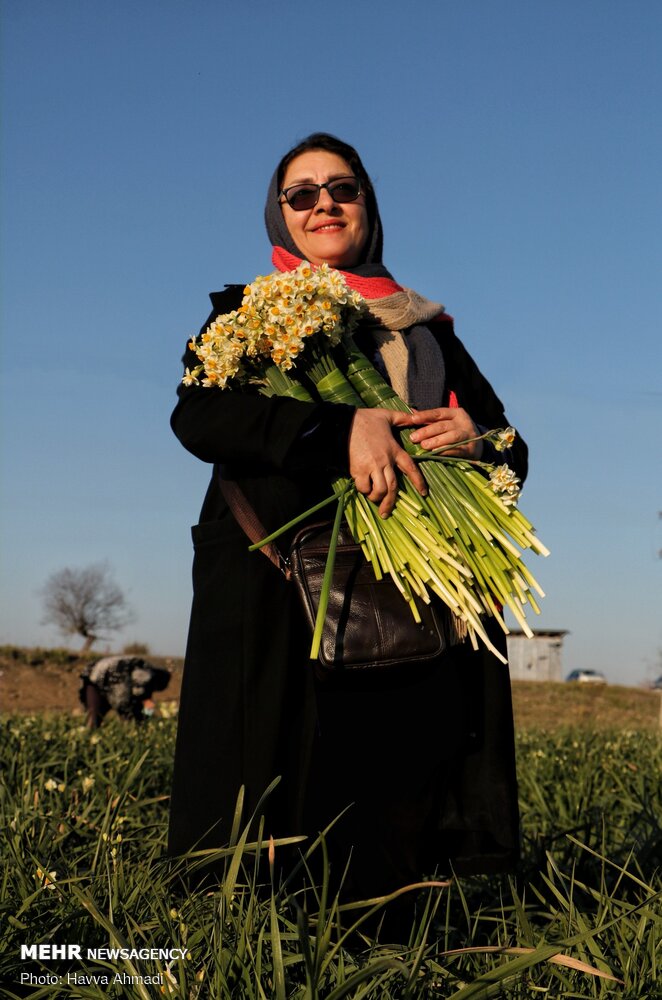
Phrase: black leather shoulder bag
(368, 623)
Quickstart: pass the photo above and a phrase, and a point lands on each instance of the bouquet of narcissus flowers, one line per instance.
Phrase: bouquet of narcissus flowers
(292, 336)
(281, 316)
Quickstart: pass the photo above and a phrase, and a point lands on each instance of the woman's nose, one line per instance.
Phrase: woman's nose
(325, 202)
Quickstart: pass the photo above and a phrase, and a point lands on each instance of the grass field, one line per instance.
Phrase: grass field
(84, 819)
(586, 706)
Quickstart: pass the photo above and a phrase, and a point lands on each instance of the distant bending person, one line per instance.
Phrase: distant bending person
(123, 683)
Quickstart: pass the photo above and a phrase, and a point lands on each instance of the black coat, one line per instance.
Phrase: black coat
(425, 755)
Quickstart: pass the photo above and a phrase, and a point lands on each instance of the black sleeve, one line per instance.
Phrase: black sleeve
(245, 428)
(476, 395)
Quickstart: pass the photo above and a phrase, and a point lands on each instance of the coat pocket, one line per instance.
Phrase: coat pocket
(223, 529)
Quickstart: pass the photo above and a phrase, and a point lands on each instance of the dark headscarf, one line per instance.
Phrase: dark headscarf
(414, 364)
(371, 265)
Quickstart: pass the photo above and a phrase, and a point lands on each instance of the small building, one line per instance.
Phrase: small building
(536, 659)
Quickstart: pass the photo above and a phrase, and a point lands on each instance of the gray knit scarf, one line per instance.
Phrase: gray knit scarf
(410, 354)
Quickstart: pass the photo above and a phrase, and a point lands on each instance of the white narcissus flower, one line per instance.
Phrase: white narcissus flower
(502, 477)
(46, 879)
(505, 483)
(170, 982)
(505, 439)
(277, 312)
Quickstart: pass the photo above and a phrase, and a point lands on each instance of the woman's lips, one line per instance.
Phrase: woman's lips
(329, 227)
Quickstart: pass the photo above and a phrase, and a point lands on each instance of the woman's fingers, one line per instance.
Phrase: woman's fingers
(380, 487)
(444, 427)
(436, 413)
(362, 481)
(374, 456)
(401, 419)
(384, 490)
(410, 468)
(438, 436)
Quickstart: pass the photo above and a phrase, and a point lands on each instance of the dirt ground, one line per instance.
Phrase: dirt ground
(33, 680)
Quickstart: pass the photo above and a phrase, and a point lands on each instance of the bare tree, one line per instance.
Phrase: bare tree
(85, 602)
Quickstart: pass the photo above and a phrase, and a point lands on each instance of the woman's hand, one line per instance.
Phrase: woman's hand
(444, 426)
(374, 455)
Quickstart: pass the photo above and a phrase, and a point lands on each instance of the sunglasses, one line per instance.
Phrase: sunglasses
(303, 196)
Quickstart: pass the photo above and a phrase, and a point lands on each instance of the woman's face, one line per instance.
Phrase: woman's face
(329, 232)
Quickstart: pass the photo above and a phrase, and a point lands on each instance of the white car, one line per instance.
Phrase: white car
(587, 676)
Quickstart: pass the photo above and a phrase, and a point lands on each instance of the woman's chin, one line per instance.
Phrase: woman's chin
(335, 258)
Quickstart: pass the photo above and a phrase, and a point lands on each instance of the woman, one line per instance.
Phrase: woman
(422, 757)
(123, 683)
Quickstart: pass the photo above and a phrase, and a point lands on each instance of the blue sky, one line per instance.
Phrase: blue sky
(515, 147)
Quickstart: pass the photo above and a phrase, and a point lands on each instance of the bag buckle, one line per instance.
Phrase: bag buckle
(284, 566)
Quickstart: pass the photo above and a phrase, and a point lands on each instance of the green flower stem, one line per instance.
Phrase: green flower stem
(298, 392)
(406, 501)
(375, 391)
(478, 564)
(373, 541)
(451, 514)
(530, 579)
(329, 381)
(494, 580)
(384, 556)
(455, 542)
(417, 591)
(439, 452)
(519, 589)
(370, 385)
(510, 517)
(373, 557)
(481, 514)
(394, 553)
(334, 388)
(438, 552)
(414, 558)
(326, 580)
(432, 509)
(414, 610)
(401, 543)
(283, 384)
(443, 577)
(493, 607)
(291, 524)
(524, 539)
(532, 601)
(473, 463)
(488, 572)
(447, 585)
(521, 620)
(455, 488)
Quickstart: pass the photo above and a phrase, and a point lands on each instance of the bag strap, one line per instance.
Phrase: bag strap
(245, 516)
